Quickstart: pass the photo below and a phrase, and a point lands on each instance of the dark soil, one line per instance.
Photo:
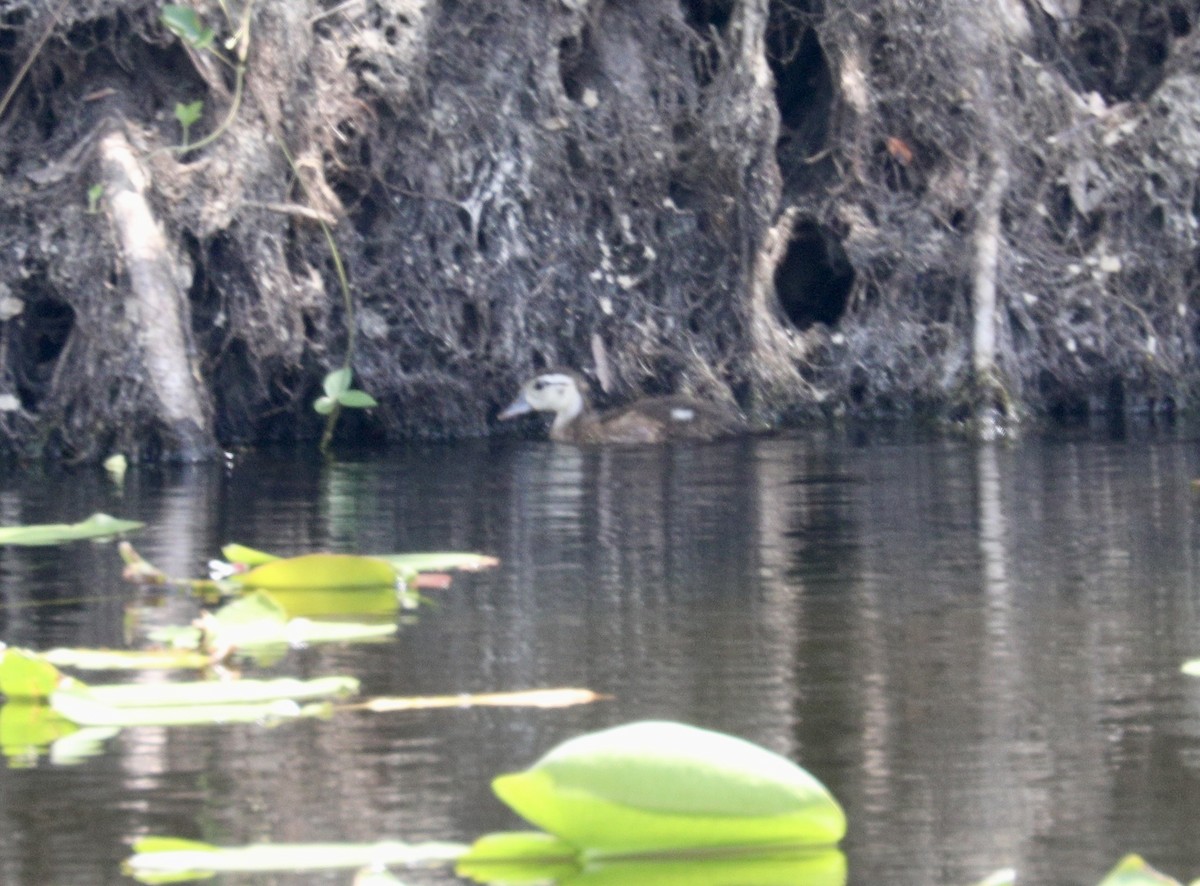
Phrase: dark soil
(776, 202)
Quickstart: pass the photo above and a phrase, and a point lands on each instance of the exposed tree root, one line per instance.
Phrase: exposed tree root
(156, 302)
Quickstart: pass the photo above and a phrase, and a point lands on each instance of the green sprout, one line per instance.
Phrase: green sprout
(94, 193)
(338, 395)
(187, 115)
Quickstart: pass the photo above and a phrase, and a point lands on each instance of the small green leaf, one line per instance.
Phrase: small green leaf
(338, 382)
(323, 405)
(1192, 668)
(95, 526)
(660, 786)
(94, 193)
(189, 113)
(186, 24)
(355, 399)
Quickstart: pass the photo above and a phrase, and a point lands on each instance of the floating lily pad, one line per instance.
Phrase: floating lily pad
(95, 526)
(364, 602)
(319, 571)
(25, 675)
(157, 857)
(28, 726)
(258, 622)
(1133, 870)
(28, 729)
(444, 561)
(531, 857)
(660, 786)
(81, 708)
(126, 659)
(214, 692)
(245, 556)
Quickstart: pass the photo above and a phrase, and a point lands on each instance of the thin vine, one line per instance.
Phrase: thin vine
(185, 23)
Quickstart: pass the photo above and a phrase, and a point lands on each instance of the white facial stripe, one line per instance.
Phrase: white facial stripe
(555, 378)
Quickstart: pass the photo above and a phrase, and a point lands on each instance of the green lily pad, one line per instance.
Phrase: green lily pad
(95, 526)
(259, 622)
(319, 571)
(25, 675)
(1133, 870)
(30, 729)
(660, 786)
(374, 602)
(28, 726)
(156, 857)
(81, 708)
(536, 858)
(215, 692)
(245, 556)
(127, 659)
(519, 857)
(435, 561)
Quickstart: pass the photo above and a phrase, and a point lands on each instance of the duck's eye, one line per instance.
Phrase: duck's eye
(540, 385)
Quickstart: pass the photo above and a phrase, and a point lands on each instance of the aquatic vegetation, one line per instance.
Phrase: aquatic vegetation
(187, 114)
(528, 698)
(655, 786)
(507, 858)
(338, 393)
(27, 676)
(46, 707)
(1132, 870)
(651, 803)
(127, 659)
(172, 859)
(258, 625)
(97, 526)
(318, 583)
(44, 698)
(186, 24)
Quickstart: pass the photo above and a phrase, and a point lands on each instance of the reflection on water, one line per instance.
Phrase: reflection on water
(976, 648)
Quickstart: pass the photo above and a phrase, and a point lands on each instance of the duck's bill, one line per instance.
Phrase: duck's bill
(519, 406)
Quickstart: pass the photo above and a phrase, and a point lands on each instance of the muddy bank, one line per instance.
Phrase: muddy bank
(812, 208)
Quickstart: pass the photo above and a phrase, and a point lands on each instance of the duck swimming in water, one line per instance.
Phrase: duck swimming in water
(650, 420)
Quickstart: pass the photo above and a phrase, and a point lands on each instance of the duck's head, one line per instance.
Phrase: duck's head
(556, 391)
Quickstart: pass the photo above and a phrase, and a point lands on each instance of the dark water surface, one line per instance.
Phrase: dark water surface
(976, 648)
